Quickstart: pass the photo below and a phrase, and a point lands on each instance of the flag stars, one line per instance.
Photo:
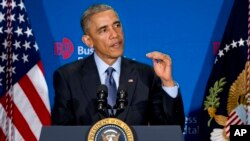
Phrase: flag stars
(25, 58)
(21, 5)
(8, 30)
(28, 32)
(15, 57)
(12, 17)
(36, 46)
(248, 42)
(13, 4)
(5, 43)
(17, 44)
(2, 69)
(4, 4)
(26, 45)
(2, 17)
(21, 18)
(12, 70)
(227, 48)
(241, 42)
(1, 29)
(19, 31)
(1, 82)
(234, 44)
(221, 53)
(216, 60)
(3, 57)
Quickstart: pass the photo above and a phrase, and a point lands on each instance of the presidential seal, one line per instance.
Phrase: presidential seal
(110, 129)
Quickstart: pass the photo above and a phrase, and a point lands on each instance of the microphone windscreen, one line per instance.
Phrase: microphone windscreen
(102, 88)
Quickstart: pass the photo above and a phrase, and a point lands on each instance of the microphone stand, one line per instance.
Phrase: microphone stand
(121, 102)
(102, 100)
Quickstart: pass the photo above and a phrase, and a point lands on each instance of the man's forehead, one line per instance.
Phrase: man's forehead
(108, 14)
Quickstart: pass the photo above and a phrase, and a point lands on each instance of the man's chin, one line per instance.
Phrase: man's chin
(117, 53)
(115, 56)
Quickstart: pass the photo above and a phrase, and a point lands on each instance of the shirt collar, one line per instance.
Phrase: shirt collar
(102, 66)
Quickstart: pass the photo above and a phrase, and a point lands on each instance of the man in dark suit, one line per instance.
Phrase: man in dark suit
(153, 96)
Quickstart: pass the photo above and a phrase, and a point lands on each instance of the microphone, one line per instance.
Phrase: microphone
(122, 100)
(102, 94)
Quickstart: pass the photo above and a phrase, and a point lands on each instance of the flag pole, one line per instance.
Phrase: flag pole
(9, 100)
(248, 70)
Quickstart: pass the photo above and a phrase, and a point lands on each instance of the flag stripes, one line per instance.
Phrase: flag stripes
(28, 102)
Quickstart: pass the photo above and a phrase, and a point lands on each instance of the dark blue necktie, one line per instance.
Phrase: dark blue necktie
(110, 82)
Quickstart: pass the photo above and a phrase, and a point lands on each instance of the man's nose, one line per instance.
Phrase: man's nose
(113, 33)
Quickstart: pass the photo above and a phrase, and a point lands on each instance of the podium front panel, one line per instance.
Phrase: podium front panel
(141, 133)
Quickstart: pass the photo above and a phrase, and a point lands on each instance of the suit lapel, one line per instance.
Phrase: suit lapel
(90, 77)
(90, 81)
(128, 78)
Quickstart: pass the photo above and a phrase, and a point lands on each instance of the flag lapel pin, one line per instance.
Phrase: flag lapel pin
(130, 80)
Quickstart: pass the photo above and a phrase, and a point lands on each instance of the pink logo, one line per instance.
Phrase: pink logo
(64, 48)
(216, 46)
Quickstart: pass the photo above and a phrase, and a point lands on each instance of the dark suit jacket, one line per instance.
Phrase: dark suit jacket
(76, 99)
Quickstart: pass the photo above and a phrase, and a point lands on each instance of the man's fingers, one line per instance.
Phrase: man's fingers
(168, 57)
(159, 56)
(154, 55)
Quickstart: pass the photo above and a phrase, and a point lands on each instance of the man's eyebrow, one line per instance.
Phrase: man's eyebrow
(105, 26)
(117, 22)
(102, 27)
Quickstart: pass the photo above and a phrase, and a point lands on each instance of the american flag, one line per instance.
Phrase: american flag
(24, 102)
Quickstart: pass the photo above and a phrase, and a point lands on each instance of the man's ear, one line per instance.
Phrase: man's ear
(87, 41)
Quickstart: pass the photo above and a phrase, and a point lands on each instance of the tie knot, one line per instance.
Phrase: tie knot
(110, 70)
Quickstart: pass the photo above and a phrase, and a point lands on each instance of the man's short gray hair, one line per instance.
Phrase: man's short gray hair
(94, 9)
